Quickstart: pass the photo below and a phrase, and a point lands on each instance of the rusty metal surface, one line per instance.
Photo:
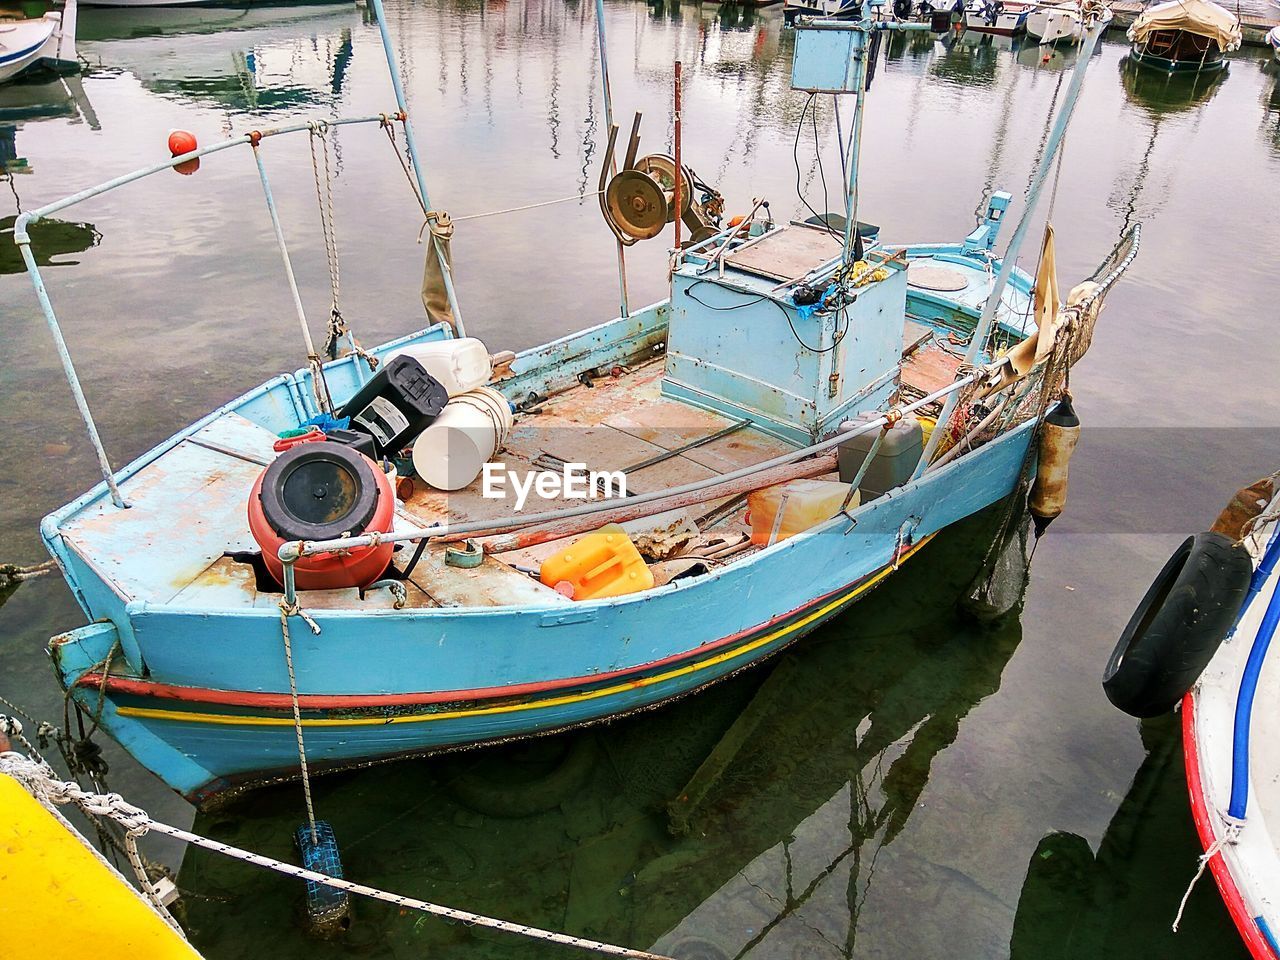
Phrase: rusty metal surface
(930, 367)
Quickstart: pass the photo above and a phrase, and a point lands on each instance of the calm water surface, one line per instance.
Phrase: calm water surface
(902, 785)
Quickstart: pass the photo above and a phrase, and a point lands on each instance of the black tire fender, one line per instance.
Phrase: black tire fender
(1178, 625)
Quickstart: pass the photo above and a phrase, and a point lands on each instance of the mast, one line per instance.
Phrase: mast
(1099, 17)
(608, 125)
(411, 141)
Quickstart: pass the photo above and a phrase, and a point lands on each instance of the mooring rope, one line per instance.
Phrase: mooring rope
(288, 610)
(40, 781)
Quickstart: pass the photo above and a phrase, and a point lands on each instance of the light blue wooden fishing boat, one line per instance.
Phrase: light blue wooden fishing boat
(216, 682)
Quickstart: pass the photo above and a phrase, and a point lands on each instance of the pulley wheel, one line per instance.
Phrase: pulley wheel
(637, 204)
(662, 169)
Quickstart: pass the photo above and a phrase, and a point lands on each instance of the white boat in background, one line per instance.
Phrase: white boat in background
(1202, 635)
(46, 42)
(1004, 19)
(204, 3)
(1054, 24)
(1273, 39)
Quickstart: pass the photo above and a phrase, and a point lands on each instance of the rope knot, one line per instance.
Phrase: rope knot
(293, 609)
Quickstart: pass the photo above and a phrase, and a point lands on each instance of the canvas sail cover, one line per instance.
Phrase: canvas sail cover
(435, 296)
(1194, 16)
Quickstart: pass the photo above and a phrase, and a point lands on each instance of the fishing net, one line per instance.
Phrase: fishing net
(1001, 584)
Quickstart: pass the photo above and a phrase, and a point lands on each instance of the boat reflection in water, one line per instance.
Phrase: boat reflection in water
(1165, 93)
(744, 822)
(1271, 102)
(1119, 903)
(52, 240)
(254, 59)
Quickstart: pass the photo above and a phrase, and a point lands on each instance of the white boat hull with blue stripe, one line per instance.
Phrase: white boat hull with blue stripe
(1231, 730)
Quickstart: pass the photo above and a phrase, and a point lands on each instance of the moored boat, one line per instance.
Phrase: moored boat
(1004, 18)
(43, 43)
(1273, 41)
(213, 662)
(1182, 36)
(1054, 24)
(1202, 637)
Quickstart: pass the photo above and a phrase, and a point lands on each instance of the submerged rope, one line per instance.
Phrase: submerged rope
(40, 781)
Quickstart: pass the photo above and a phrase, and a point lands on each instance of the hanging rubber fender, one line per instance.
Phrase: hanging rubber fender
(1059, 434)
(1178, 626)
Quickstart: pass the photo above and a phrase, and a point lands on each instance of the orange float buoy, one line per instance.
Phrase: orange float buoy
(187, 167)
(321, 490)
(181, 141)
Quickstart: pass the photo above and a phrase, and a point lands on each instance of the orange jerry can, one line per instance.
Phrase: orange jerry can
(601, 564)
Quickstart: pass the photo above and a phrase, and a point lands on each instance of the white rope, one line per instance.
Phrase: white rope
(40, 781)
(529, 206)
(287, 610)
(37, 777)
(1230, 833)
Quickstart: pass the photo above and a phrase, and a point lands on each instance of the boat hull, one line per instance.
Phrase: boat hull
(1168, 65)
(36, 45)
(1229, 732)
(450, 679)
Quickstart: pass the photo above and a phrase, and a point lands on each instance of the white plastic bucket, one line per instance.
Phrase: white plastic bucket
(451, 452)
(461, 365)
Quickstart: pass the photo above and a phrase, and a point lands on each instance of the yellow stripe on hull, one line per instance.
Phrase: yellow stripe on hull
(58, 898)
(151, 713)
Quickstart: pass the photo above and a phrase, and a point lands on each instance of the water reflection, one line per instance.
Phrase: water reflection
(255, 59)
(747, 821)
(1160, 94)
(1270, 99)
(973, 59)
(1118, 904)
(52, 241)
(22, 104)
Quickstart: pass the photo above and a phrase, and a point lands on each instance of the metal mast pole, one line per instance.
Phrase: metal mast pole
(983, 328)
(376, 7)
(608, 125)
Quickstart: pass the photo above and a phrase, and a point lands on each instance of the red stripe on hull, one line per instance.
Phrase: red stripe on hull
(1239, 910)
(281, 701)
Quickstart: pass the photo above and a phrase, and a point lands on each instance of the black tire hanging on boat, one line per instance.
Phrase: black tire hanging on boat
(1178, 626)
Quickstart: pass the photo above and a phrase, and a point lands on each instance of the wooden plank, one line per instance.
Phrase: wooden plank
(787, 254)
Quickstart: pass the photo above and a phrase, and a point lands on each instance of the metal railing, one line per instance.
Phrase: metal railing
(253, 138)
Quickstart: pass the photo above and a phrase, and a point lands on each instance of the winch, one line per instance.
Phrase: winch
(640, 199)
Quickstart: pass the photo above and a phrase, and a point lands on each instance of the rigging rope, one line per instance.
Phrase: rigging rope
(337, 327)
(39, 780)
(529, 206)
